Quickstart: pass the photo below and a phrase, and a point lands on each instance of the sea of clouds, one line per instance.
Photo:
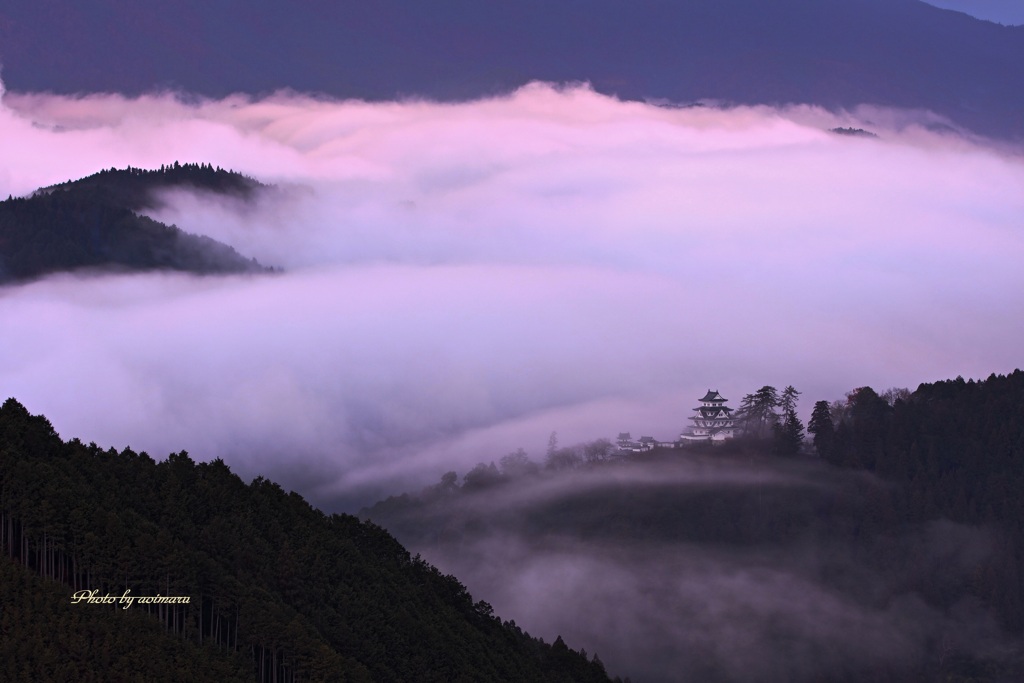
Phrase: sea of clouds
(461, 280)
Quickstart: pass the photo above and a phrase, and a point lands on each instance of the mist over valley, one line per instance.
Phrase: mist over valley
(432, 286)
(719, 564)
(461, 280)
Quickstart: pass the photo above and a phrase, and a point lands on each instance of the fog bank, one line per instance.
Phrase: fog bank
(464, 279)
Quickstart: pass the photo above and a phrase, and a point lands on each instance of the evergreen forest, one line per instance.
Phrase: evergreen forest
(277, 590)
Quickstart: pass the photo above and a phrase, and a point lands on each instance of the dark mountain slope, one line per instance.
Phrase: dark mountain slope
(138, 189)
(46, 638)
(92, 223)
(837, 53)
(290, 591)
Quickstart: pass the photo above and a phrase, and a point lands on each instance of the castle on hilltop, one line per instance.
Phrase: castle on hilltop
(713, 421)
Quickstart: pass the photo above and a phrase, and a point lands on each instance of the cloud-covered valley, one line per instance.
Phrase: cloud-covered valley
(462, 279)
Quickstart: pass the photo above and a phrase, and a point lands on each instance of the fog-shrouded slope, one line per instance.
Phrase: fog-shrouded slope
(728, 564)
(139, 189)
(275, 588)
(836, 53)
(92, 223)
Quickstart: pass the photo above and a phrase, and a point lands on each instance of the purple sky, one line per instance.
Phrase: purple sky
(834, 53)
(1007, 12)
(465, 279)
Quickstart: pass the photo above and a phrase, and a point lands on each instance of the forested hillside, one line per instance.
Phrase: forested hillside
(93, 223)
(956, 449)
(912, 521)
(276, 589)
(138, 188)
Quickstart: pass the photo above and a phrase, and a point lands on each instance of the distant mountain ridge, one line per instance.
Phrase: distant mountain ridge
(833, 53)
(92, 223)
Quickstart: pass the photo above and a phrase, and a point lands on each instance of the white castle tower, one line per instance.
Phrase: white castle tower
(713, 420)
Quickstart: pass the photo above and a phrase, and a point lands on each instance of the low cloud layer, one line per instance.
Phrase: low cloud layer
(463, 279)
(684, 612)
(715, 569)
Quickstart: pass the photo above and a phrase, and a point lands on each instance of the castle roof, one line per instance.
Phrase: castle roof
(704, 410)
(714, 396)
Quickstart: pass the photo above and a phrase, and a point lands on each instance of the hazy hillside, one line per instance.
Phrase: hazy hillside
(836, 53)
(92, 224)
(730, 564)
(138, 189)
(277, 590)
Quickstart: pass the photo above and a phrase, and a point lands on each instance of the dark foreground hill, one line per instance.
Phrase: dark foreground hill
(93, 223)
(276, 590)
(834, 53)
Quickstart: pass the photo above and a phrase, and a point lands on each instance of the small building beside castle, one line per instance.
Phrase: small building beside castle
(712, 421)
(626, 442)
